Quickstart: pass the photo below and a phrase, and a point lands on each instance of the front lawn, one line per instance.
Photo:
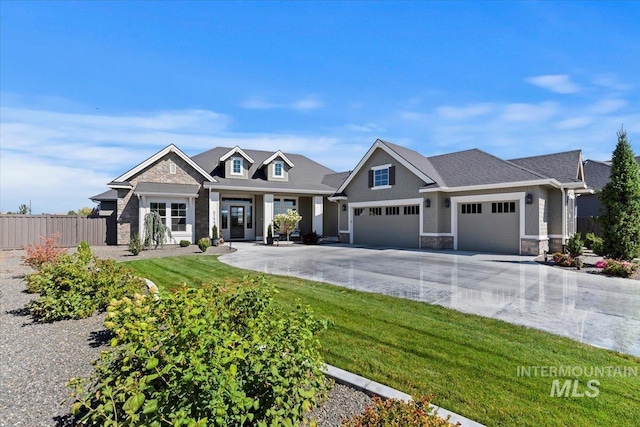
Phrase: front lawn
(469, 362)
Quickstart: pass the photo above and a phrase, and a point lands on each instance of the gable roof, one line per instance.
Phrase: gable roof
(275, 156)
(236, 150)
(566, 167)
(151, 160)
(307, 177)
(596, 174)
(412, 160)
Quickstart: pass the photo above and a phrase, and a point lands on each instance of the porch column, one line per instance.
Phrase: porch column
(317, 215)
(214, 209)
(142, 212)
(191, 219)
(268, 214)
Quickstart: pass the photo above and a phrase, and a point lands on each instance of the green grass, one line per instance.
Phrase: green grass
(469, 362)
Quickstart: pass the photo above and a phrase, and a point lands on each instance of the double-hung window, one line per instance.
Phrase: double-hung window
(278, 169)
(236, 166)
(383, 176)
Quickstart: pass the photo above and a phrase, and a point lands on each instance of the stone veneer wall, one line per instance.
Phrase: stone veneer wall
(343, 238)
(158, 172)
(436, 242)
(555, 245)
(533, 246)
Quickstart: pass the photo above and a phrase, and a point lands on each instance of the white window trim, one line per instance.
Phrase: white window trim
(233, 160)
(172, 168)
(145, 208)
(274, 174)
(376, 168)
(278, 197)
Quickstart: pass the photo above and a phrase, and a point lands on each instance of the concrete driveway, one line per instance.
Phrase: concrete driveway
(601, 311)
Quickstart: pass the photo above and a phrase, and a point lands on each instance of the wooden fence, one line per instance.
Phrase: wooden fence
(17, 231)
(588, 224)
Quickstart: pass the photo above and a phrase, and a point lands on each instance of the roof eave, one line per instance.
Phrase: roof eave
(550, 181)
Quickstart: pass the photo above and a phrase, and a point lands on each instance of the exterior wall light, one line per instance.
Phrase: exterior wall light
(529, 199)
(344, 208)
(447, 202)
(427, 203)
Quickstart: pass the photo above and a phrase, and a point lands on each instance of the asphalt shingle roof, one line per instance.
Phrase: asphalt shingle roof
(107, 196)
(305, 175)
(560, 166)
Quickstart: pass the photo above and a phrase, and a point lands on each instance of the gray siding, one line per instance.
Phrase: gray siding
(406, 187)
(343, 217)
(228, 165)
(305, 209)
(329, 218)
(285, 172)
(555, 212)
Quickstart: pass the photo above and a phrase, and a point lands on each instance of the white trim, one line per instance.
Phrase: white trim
(267, 212)
(375, 168)
(344, 231)
(214, 210)
(173, 168)
(549, 181)
(336, 198)
(318, 212)
(233, 159)
(162, 194)
(274, 174)
(123, 186)
(275, 156)
(436, 234)
(269, 190)
(520, 196)
(380, 144)
(160, 154)
(534, 237)
(381, 187)
(237, 150)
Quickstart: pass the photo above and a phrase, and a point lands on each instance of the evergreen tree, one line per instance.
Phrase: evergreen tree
(620, 215)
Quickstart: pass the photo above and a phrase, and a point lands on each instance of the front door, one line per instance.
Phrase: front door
(237, 222)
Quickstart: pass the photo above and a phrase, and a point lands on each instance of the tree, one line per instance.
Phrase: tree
(155, 230)
(71, 213)
(85, 211)
(620, 198)
(24, 209)
(286, 223)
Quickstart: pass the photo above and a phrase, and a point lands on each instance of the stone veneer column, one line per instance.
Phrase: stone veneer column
(318, 211)
(268, 214)
(214, 209)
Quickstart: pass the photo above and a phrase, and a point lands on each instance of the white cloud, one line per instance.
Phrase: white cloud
(462, 113)
(365, 127)
(574, 123)
(607, 106)
(611, 82)
(529, 112)
(558, 83)
(304, 104)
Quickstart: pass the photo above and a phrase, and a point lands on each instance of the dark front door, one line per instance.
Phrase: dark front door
(237, 222)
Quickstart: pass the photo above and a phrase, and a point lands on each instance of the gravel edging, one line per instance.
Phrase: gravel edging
(38, 359)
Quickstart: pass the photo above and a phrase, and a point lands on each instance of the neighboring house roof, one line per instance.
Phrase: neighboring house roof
(307, 177)
(151, 160)
(596, 173)
(335, 180)
(160, 189)
(107, 196)
(565, 167)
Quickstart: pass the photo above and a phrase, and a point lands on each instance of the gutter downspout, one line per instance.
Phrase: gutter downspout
(564, 215)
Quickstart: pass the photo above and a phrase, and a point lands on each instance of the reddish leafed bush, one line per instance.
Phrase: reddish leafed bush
(48, 250)
(396, 413)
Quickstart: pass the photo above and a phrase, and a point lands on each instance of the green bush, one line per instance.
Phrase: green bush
(184, 243)
(208, 356)
(574, 245)
(589, 239)
(396, 413)
(620, 268)
(75, 288)
(598, 246)
(135, 245)
(204, 244)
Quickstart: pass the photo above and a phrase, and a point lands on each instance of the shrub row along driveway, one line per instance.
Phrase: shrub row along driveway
(597, 310)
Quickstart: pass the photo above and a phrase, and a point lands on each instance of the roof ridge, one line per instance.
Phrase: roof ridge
(513, 164)
(546, 155)
(438, 178)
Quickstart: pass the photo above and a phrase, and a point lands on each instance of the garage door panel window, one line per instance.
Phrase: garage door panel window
(392, 210)
(375, 211)
(358, 211)
(503, 207)
(471, 208)
(411, 210)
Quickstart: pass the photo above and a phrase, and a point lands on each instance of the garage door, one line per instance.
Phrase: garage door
(489, 227)
(396, 226)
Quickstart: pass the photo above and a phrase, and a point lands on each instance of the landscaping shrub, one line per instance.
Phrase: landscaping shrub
(397, 413)
(75, 287)
(204, 244)
(598, 246)
(48, 250)
(616, 268)
(589, 239)
(565, 260)
(135, 245)
(310, 238)
(574, 245)
(184, 243)
(208, 356)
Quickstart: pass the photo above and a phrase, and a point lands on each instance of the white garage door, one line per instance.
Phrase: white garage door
(396, 226)
(489, 227)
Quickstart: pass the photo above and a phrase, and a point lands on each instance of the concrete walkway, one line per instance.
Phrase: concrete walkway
(597, 310)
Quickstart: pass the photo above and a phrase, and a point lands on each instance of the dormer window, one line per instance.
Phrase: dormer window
(236, 166)
(278, 168)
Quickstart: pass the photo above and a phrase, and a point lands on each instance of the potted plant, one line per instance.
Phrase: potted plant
(215, 236)
(270, 235)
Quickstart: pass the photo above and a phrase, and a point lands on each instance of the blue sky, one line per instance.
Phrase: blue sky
(89, 89)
